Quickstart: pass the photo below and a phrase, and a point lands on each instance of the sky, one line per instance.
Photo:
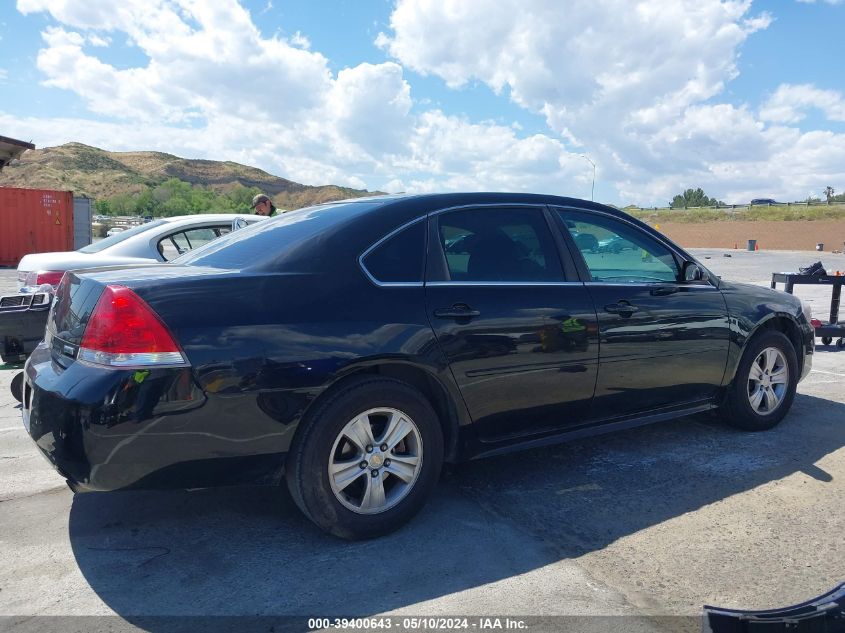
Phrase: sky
(745, 99)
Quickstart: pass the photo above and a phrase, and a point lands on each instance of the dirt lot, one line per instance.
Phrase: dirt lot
(786, 235)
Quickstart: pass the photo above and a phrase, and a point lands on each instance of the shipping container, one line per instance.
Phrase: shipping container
(34, 221)
(81, 222)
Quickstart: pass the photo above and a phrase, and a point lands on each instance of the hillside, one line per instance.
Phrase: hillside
(99, 174)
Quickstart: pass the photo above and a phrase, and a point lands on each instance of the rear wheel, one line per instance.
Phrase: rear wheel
(764, 386)
(367, 459)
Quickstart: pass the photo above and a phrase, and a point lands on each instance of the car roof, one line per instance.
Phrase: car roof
(210, 217)
(345, 228)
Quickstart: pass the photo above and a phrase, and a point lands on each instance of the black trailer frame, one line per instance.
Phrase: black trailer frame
(828, 331)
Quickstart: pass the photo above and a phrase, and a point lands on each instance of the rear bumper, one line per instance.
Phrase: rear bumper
(87, 421)
(111, 429)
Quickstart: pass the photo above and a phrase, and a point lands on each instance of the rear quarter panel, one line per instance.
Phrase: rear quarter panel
(264, 346)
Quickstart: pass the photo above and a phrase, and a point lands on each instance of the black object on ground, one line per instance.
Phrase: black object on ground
(23, 318)
(825, 613)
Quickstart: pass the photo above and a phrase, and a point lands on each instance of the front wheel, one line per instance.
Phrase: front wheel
(367, 459)
(764, 386)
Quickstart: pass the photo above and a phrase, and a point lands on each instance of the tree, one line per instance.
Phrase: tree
(694, 198)
(828, 193)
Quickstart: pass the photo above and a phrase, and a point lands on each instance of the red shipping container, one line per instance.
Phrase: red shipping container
(34, 221)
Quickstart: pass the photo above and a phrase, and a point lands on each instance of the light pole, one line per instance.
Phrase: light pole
(593, 188)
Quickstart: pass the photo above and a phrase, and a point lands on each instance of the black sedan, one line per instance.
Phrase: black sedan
(351, 348)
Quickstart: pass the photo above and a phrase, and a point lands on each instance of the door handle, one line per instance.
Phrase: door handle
(457, 311)
(625, 309)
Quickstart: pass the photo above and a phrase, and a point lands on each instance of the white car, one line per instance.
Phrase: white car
(115, 231)
(158, 241)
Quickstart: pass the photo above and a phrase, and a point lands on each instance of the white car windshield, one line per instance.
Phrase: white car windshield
(103, 244)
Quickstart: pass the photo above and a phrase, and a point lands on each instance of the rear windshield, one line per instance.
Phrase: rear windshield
(276, 239)
(117, 238)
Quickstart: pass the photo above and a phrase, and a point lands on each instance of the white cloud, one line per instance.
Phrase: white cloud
(99, 41)
(789, 103)
(3, 74)
(205, 58)
(635, 85)
(214, 87)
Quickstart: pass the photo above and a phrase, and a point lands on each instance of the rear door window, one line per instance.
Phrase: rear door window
(500, 244)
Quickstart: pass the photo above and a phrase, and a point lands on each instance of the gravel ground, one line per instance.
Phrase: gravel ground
(657, 520)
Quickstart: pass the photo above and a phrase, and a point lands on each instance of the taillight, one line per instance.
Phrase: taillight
(123, 331)
(37, 277)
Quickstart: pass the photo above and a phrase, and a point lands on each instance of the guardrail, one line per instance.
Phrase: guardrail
(729, 207)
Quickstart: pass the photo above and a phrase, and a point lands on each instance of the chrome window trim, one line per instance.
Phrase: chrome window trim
(504, 283)
(621, 284)
(392, 284)
(486, 205)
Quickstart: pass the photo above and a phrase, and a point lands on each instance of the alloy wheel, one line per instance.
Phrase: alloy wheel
(768, 381)
(375, 460)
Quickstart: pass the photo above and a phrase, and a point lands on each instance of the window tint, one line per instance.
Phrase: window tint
(617, 252)
(399, 258)
(177, 244)
(499, 245)
(281, 240)
(200, 237)
(167, 249)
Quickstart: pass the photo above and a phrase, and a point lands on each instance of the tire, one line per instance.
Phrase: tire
(840, 343)
(748, 397)
(334, 438)
(17, 387)
(826, 340)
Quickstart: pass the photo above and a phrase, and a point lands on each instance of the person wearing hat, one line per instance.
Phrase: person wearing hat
(262, 205)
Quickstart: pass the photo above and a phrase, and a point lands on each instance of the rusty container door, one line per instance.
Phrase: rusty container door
(34, 221)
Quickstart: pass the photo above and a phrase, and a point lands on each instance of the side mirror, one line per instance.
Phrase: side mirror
(694, 272)
(239, 223)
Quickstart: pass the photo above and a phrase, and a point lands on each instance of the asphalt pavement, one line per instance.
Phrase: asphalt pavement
(653, 521)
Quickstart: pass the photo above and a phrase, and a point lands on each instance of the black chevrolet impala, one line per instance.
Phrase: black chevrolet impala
(351, 348)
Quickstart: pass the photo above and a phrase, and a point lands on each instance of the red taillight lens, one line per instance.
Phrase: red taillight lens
(815, 323)
(38, 277)
(123, 331)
